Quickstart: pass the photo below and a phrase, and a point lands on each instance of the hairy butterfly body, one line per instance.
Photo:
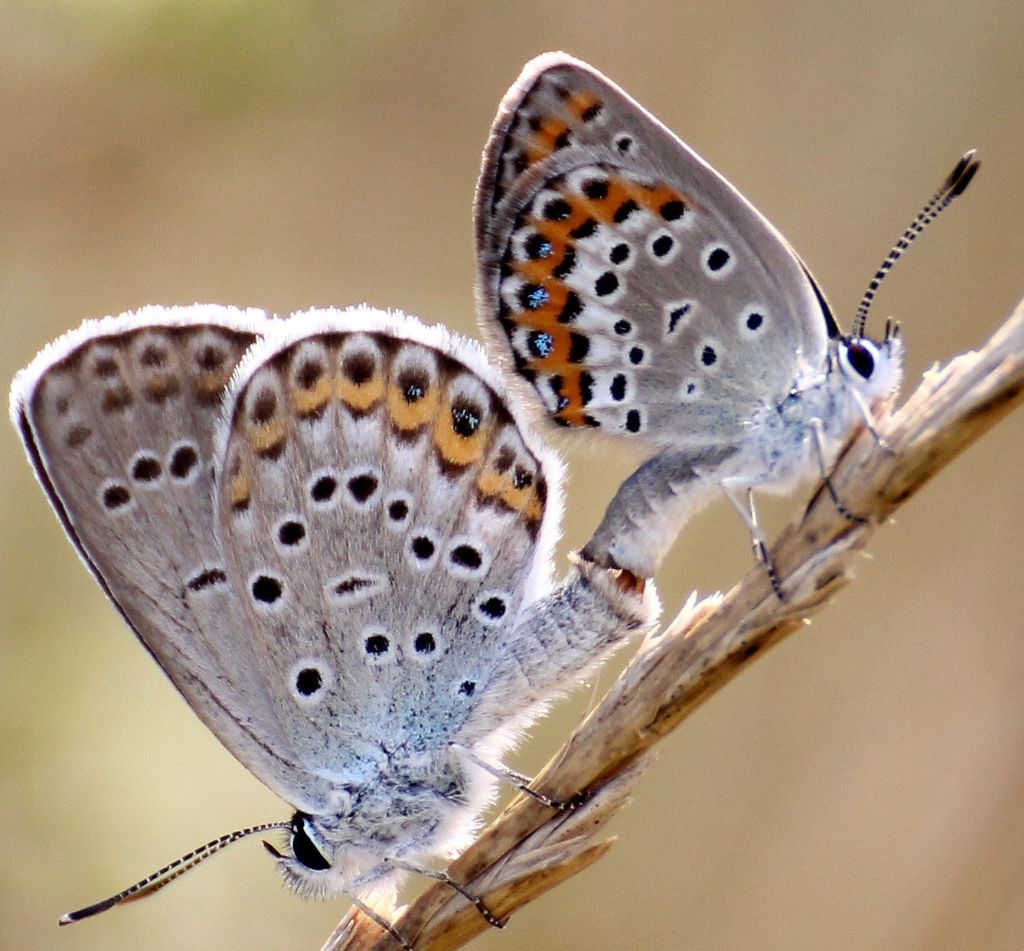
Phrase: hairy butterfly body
(642, 296)
(334, 535)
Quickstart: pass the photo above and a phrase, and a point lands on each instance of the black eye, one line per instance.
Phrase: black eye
(305, 852)
(861, 359)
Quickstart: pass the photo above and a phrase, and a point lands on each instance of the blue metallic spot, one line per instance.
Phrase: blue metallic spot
(541, 344)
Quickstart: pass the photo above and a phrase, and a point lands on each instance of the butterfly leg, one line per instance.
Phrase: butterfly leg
(870, 423)
(380, 921)
(520, 782)
(442, 876)
(748, 513)
(818, 437)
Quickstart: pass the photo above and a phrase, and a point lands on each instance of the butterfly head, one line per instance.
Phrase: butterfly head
(871, 367)
(317, 867)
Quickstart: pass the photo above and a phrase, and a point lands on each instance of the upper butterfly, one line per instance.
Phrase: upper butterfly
(642, 295)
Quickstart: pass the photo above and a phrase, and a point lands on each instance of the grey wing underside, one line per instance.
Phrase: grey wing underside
(682, 318)
(118, 421)
(432, 513)
(126, 422)
(401, 520)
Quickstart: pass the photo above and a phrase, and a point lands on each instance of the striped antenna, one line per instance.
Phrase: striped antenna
(954, 185)
(151, 884)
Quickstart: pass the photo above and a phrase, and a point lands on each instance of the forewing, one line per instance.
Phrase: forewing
(633, 286)
(118, 420)
(386, 520)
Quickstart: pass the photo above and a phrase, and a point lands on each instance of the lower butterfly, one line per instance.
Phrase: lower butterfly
(643, 297)
(334, 534)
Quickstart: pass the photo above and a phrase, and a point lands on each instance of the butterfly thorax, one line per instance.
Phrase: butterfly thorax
(822, 405)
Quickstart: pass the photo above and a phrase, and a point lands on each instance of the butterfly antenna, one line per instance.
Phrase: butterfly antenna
(954, 185)
(151, 884)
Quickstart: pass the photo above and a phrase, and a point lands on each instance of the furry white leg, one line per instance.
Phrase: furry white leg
(818, 437)
(379, 920)
(870, 423)
(441, 876)
(518, 781)
(749, 515)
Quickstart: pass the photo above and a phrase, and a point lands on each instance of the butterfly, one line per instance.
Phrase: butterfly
(641, 296)
(334, 534)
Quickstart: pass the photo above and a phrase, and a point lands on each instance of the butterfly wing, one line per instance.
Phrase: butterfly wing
(633, 286)
(386, 521)
(118, 419)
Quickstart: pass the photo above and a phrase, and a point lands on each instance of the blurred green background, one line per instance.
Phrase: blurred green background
(861, 787)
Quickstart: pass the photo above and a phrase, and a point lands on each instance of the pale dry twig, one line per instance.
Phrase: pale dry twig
(528, 849)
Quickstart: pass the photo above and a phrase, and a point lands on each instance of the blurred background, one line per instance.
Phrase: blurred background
(860, 787)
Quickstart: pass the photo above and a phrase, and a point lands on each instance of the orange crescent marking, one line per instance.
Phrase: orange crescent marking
(360, 396)
(546, 316)
(580, 102)
(561, 344)
(559, 230)
(408, 416)
(655, 195)
(456, 449)
(309, 401)
(604, 209)
(240, 490)
(268, 436)
(211, 382)
(574, 412)
(536, 270)
(501, 486)
(161, 385)
(545, 137)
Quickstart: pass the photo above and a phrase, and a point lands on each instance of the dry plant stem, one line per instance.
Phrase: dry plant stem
(528, 849)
